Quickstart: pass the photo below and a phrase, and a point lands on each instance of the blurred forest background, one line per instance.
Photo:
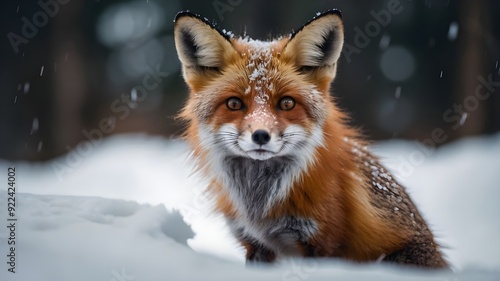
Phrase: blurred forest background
(74, 70)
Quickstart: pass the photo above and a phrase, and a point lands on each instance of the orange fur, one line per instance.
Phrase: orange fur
(337, 189)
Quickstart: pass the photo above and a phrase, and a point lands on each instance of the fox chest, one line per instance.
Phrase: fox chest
(255, 187)
(284, 236)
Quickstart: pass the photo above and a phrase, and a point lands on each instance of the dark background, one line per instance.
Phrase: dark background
(83, 59)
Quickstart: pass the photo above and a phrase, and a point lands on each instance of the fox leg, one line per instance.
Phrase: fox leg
(258, 253)
(255, 251)
(421, 252)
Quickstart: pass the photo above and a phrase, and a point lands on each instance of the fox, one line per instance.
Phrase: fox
(289, 175)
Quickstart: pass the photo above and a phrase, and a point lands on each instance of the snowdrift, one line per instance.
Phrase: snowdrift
(129, 209)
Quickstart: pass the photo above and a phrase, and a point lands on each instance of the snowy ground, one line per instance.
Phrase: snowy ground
(109, 212)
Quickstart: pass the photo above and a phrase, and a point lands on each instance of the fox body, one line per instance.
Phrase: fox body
(290, 177)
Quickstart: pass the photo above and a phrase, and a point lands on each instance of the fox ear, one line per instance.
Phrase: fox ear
(202, 49)
(317, 44)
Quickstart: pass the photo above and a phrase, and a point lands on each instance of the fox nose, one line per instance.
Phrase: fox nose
(261, 137)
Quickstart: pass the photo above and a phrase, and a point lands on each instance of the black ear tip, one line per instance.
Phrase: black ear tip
(189, 14)
(182, 14)
(329, 12)
(318, 16)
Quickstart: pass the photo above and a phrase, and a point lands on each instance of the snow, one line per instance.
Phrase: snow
(456, 189)
(260, 57)
(260, 69)
(26, 87)
(453, 31)
(34, 126)
(133, 95)
(398, 92)
(463, 118)
(132, 210)
(384, 42)
(228, 33)
(261, 99)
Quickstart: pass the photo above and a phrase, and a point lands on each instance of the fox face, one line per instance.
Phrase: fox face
(259, 100)
(262, 113)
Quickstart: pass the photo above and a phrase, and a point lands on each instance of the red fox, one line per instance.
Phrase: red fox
(289, 175)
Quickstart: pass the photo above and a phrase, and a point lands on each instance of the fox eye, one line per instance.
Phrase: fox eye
(287, 103)
(234, 103)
